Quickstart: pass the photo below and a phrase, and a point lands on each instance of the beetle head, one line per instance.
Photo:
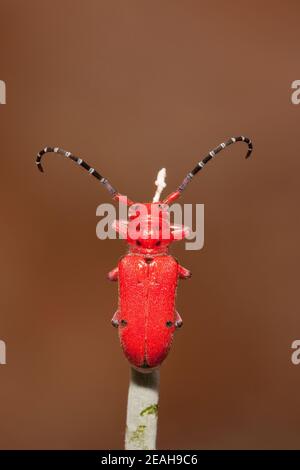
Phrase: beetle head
(149, 230)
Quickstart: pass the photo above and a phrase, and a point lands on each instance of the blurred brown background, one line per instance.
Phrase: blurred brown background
(133, 86)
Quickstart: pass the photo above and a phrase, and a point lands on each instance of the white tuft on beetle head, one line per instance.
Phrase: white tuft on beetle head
(160, 183)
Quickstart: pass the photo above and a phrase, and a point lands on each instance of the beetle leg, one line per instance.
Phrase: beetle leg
(183, 272)
(113, 274)
(115, 319)
(179, 232)
(178, 320)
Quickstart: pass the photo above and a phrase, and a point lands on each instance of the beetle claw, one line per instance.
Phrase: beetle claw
(114, 321)
(178, 320)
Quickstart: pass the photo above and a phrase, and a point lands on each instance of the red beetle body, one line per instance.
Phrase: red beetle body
(148, 275)
(146, 312)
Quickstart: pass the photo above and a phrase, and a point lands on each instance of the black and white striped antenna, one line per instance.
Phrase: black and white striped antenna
(113, 192)
(205, 160)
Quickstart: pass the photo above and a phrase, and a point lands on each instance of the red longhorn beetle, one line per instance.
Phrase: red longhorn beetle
(146, 317)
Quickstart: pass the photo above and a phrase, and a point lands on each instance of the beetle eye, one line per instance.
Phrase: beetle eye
(138, 243)
(158, 243)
